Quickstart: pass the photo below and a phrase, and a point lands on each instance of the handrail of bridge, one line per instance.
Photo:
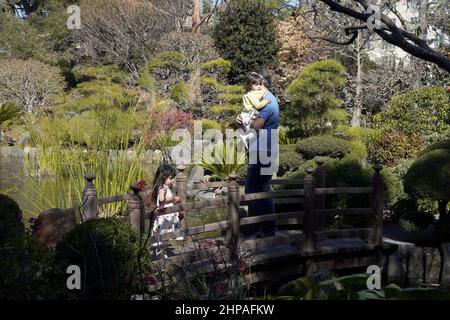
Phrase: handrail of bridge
(312, 196)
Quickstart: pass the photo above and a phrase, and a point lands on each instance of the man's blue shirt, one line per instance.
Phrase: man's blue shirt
(270, 114)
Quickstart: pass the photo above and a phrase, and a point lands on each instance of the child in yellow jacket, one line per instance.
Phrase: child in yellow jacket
(252, 101)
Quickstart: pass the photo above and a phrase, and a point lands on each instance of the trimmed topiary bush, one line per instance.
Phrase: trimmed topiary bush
(314, 93)
(325, 146)
(443, 144)
(289, 159)
(429, 178)
(107, 251)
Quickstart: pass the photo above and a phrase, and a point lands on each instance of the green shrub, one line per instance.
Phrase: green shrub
(289, 159)
(443, 144)
(166, 59)
(109, 73)
(105, 126)
(108, 251)
(181, 93)
(326, 146)
(217, 65)
(429, 177)
(420, 111)
(428, 206)
(365, 135)
(11, 225)
(402, 167)
(25, 271)
(211, 124)
(350, 172)
(313, 93)
(358, 150)
(223, 159)
(285, 137)
(436, 137)
(23, 260)
(230, 109)
(395, 146)
(415, 221)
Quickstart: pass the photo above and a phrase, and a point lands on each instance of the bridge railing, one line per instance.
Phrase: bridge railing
(311, 198)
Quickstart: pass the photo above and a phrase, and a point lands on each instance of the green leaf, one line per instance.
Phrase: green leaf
(8, 111)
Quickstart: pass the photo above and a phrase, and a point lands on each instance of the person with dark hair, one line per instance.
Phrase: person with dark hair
(253, 102)
(267, 79)
(164, 197)
(263, 159)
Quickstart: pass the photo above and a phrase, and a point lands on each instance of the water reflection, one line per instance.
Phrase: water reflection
(33, 195)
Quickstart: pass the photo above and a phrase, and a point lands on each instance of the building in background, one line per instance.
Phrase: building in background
(383, 52)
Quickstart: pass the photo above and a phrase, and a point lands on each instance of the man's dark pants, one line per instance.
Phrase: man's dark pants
(256, 182)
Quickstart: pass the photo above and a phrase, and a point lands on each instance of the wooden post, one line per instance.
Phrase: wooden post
(233, 218)
(445, 280)
(377, 206)
(319, 203)
(181, 181)
(432, 265)
(308, 224)
(415, 267)
(89, 207)
(135, 211)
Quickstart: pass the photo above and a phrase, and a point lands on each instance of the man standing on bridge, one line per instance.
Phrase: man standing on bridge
(263, 159)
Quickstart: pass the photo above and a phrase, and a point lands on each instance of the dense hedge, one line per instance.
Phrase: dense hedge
(107, 251)
(289, 159)
(422, 111)
(11, 225)
(23, 262)
(326, 146)
(350, 172)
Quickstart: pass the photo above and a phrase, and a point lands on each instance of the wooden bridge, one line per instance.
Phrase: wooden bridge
(301, 245)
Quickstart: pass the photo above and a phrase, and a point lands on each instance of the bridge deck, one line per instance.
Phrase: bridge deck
(270, 258)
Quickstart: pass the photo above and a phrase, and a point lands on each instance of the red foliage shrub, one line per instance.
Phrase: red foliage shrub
(395, 146)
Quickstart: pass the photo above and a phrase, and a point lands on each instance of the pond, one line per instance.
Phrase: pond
(17, 185)
(35, 195)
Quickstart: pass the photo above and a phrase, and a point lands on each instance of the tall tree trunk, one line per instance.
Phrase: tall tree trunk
(196, 92)
(423, 19)
(422, 31)
(356, 117)
(196, 19)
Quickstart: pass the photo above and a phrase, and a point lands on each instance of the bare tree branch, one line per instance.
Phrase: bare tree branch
(394, 35)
